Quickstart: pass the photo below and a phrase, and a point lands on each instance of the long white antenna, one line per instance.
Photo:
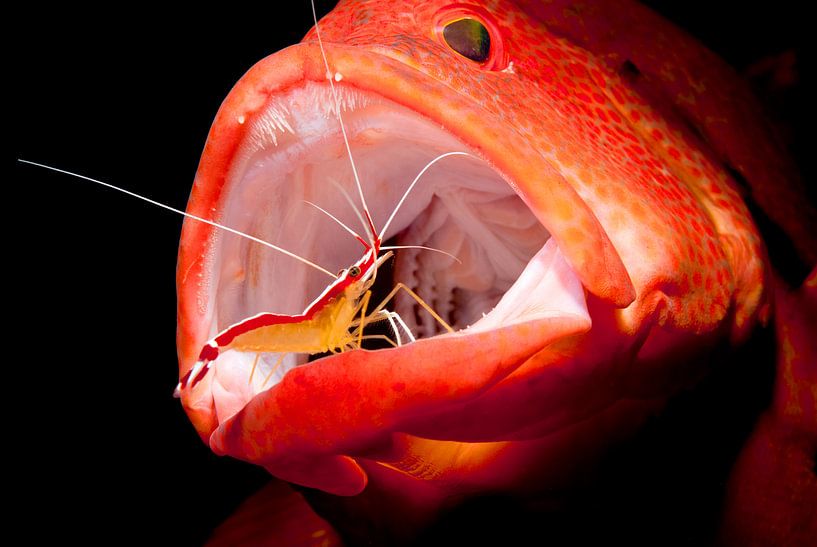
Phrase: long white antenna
(411, 186)
(188, 215)
(351, 203)
(336, 219)
(423, 247)
(369, 227)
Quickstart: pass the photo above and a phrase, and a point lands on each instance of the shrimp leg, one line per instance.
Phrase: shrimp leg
(416, 297)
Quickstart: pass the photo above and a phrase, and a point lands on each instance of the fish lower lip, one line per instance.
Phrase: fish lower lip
(293, 153)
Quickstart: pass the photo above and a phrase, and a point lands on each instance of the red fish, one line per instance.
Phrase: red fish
(605, 243)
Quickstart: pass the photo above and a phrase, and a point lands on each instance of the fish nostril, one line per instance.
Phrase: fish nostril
(629, 71)
(694, 128)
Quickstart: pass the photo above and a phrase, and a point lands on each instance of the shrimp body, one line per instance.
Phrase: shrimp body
(326, 330)
(328, 324)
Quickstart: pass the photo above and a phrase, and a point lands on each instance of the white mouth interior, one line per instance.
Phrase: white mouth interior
(294, 153)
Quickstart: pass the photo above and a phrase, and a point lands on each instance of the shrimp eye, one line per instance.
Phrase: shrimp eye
(354, 271)
(469, 38)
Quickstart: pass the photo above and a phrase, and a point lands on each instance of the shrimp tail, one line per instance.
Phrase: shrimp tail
(208, 354)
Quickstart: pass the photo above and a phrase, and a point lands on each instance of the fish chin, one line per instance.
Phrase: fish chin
(499, 266)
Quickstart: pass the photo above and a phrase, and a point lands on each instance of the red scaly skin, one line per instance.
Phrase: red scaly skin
(685, 81)
(651, 223)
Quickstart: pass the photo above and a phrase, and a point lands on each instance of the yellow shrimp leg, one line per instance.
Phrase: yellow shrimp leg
(274, 368)
(417, 298)
(254, 364)
(364, 303)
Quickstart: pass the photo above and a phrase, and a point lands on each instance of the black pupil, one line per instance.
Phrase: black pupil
(354, 271)
(469, 38)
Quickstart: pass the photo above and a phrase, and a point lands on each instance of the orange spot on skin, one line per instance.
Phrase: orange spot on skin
(638, 210)
(563, 211)
(573, 236)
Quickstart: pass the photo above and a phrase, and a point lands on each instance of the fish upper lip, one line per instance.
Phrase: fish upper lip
(198, 404)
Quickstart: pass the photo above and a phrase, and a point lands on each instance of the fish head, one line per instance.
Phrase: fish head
(600, 251)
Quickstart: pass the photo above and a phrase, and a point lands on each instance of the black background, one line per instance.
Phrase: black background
(127, 95)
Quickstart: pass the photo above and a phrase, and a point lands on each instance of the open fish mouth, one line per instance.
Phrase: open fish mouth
(519, 254)
(499, 265)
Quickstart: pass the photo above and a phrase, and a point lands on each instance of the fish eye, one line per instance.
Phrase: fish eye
(469, 38)
(354, 271)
